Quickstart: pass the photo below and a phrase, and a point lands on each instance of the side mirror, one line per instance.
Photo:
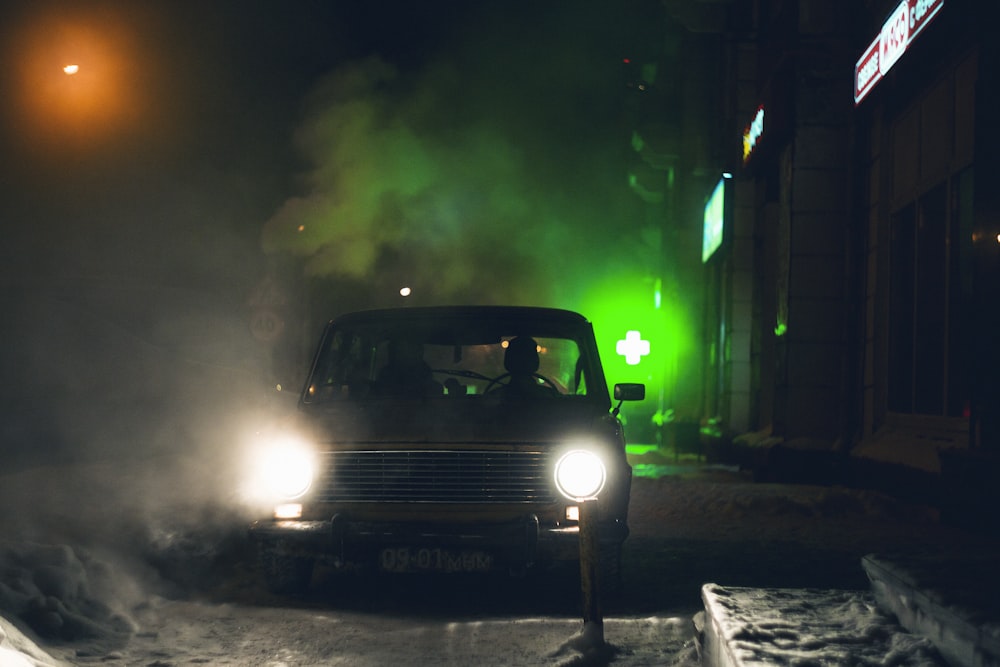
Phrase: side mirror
(630, 391)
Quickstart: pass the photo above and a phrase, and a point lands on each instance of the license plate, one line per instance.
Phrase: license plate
(433, 559)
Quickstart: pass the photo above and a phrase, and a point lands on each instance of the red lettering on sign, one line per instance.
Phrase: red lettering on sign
(898, 32)
(894, 37)
(866, 72)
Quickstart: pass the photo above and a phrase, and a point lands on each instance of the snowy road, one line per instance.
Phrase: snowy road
(170, 598)
(183, 633)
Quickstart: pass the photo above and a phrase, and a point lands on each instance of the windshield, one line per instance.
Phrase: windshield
(378, 360)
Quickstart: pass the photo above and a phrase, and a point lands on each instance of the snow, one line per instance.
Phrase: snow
(60, 592)
(954, 605)
(16, 650)
(120, 563)
(748, 626)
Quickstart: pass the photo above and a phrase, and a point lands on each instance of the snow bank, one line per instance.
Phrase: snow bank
(59, 594)
(745, 627)
(62, 593)
(952, 601)
(16, 650)
(84, 547)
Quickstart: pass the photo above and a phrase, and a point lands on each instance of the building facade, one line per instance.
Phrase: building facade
(856, 301)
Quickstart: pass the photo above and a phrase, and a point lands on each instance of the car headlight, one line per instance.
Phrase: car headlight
(287, 469)
(580, 475)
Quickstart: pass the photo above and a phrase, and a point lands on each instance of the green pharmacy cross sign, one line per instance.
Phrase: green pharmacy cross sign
(633, 348)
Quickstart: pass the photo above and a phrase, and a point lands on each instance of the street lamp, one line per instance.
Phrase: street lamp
(580, 476)
(79, 78)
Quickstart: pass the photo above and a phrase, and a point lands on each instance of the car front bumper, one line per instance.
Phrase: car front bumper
(341, 541)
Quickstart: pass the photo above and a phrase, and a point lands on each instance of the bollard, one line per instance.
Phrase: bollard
(590, 555)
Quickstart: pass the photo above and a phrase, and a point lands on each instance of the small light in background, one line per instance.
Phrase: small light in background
(71, 69)
(405, 291)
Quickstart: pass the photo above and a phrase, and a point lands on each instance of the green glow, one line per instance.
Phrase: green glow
(637, 142)
(652, 462)
(639, 450)
(780, 328)
(661, 417)
(634, 303)
(714, 221)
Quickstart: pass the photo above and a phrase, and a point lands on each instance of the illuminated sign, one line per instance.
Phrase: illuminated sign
(752, 133)
(633, 348)
(899, 30)
(714, 221)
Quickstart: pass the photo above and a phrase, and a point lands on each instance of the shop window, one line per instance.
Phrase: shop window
(929, 298)
(960, 321)
(901, 308)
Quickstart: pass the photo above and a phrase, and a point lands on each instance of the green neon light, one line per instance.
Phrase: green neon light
(624, 301)
(632, 347)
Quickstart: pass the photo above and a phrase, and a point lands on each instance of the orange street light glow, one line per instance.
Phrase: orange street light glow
(76, 78)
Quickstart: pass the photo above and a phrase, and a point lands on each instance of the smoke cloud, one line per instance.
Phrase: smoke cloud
(495, 173)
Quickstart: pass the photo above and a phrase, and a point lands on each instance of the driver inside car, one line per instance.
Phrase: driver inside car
(521, 361)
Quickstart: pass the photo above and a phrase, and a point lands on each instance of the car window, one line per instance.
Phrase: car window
(364, 363)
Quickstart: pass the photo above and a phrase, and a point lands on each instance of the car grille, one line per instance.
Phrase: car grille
(436, 476)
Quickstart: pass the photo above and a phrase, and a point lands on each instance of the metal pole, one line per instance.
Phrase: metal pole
(590, 556)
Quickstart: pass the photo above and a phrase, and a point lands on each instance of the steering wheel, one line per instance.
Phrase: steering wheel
(498, 382)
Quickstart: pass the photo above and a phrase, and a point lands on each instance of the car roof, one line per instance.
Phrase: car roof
(425, 313)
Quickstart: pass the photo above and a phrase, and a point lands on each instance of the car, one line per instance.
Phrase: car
(446, 439)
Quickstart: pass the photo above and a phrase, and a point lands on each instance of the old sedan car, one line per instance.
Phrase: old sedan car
(447, 439)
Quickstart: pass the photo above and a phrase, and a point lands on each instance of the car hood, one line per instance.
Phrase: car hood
(443, 422)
